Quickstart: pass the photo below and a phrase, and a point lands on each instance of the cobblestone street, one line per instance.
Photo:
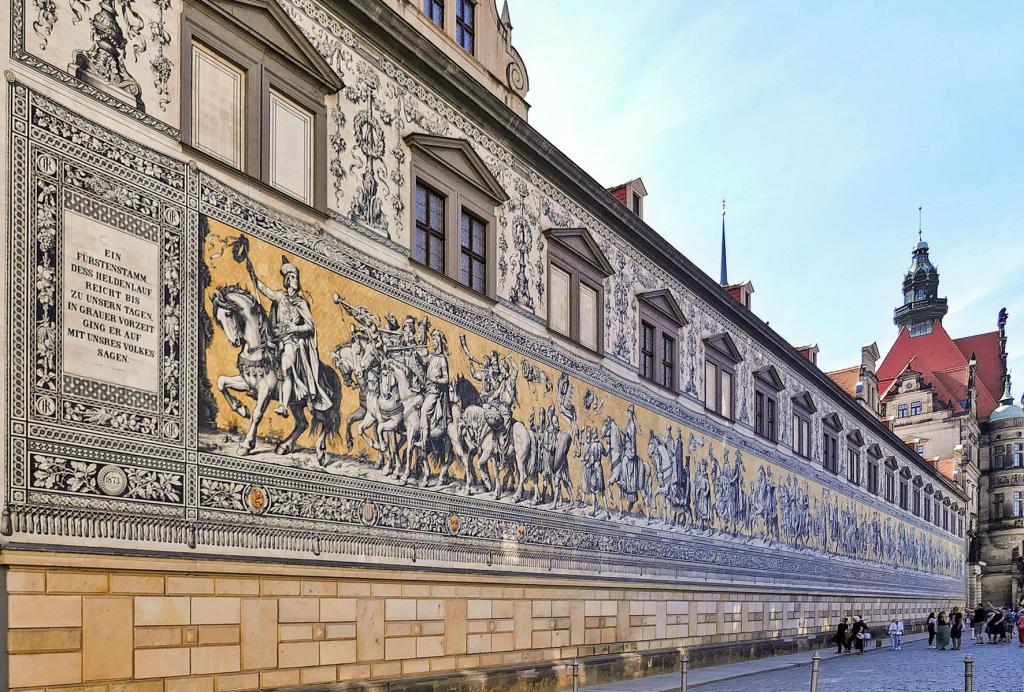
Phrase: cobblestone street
(997, 668)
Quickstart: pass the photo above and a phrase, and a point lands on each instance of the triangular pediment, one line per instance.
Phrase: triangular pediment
(891, 463)
(875, 451)
(662, 301)
(458, 157)
(928, 489)
(804, 400)
(833, 421)
(905, 472)
(579, 242)
(266, 22)
(918, 481)
(724, 345)
(856, 438)
(769, 375)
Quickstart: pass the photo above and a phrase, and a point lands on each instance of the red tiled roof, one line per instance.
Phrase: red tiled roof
(847, 379)
(943, 363)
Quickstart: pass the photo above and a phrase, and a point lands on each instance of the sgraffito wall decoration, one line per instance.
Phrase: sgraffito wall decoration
(194, 371)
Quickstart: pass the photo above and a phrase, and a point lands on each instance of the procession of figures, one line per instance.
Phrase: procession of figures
(472, 435)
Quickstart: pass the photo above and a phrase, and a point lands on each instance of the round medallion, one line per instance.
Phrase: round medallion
(257, 499)
(368, 513)
(172, 217)
(171, 430)
(112, 480)
(46, 164)
(520, 533)
(46, 406)
(454, 524)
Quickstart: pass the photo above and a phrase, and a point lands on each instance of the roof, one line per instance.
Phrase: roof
(943, 363)
(947, 466)
(847, 379)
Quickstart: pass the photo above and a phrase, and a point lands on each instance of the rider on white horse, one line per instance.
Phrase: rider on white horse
(292, 322)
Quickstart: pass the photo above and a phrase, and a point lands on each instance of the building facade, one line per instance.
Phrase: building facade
(324, 366)
(949, 400)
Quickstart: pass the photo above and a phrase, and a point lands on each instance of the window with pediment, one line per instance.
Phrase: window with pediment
(453, 212)
(577, 269)
(832, 428)
(253, 95)
(854, 442)
(767, 385)
(803, 409)
(720, 359)
(661, 318)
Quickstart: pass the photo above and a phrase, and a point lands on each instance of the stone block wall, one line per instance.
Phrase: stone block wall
(120, 624)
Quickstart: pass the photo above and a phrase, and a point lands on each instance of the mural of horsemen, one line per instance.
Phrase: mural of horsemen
(308, 369)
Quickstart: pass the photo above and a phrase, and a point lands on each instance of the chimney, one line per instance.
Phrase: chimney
(631, 195)
(810, 352)
(741, 292)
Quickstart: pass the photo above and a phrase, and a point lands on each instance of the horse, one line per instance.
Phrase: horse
(398, 412)
(633, 483)
(245, 324)
(667, 472)
(477, 434)
(349, 359)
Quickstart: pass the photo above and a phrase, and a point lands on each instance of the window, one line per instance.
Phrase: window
(720, 359)
(917, 500)
(920, 328)
(872, 472)
(901, 411)
(454, 198)
(576, 272)
(428, 241)
(767, 384)
(830, 452)
(660, 321)
(904, 493)
(803, 407)
(915, 408)
(434, 9)
(919, 449)
(473, 252)
(927, 508)
(998, 458)
(997, 506)
(636, 204)
(853, 465)
(465, 15)
(647, 351)
(1018, 504)
(945, 518)
(890, 485)
(920, 294)
(251, 110)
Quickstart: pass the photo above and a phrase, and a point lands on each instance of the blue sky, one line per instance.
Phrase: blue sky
(825, 125)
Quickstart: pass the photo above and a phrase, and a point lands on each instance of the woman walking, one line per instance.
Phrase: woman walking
(931, 630)
(857, 634)
(956, 627)
(896, 634)
(942, 632)
(840, 636)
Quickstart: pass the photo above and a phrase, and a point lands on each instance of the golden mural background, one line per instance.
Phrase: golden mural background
(907, 545)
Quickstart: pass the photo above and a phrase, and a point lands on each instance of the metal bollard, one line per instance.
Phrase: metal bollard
(575, 675)
(815, 664)
(684, 669)
(968, 674)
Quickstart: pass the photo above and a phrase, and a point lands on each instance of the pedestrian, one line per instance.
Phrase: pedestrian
(840, 638)
(942, 633)
(1009, 625)
(978, 623)
(858, 634)
(931, 630)
(896, 633)
(956, 627)
(995, 626)
(1020, 630)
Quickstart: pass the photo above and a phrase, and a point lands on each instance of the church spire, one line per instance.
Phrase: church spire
(724, 280)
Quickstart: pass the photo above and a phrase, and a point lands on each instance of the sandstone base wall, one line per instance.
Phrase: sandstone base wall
(131, 624)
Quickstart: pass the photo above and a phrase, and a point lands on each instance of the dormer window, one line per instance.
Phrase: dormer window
(465, 23)
(636, 204)
(434, 9)
(576, 272)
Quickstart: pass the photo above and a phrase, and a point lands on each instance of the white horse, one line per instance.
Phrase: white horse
(246, 326)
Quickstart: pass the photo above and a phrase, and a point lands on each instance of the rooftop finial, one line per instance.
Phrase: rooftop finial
(724, 278)
(919, 237)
